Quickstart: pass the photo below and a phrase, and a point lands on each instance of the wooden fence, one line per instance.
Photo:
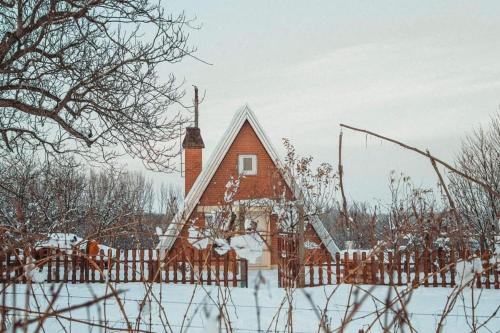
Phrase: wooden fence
(123, 266)
(427, 268)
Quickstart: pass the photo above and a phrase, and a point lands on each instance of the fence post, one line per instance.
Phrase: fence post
(49, 267)
(347, 275)
(57, 277)
(426, 267)
(364, 262)
(66, 264)
(226, 270)
(329, 268)
(117, 263)
(134, 266)
(337, 267)
(311, 272)
(158, 266)
(495, 272)
(390, 268)
(355, 267)
(320, 265)
(24, 263)
(167, 267)
(191, 265)
(453, 262)
(3, 256)
(235, 267)
(416, 264)
(183, 267)
(478, 275)
(110, 265)
(141, 263)
(209, 266)
(125, 265)
(399, 268)
(433, 268)
(101, 265)
(92, 267)
(382, 265)
(487, 257)
(442, 266)
(150, 266)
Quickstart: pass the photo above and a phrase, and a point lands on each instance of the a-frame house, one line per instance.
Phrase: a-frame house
(244, 148)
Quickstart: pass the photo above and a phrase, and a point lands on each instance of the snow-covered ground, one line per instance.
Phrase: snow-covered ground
(263, 306)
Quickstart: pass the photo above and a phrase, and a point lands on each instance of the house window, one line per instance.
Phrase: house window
(210, 220)
(247, 164)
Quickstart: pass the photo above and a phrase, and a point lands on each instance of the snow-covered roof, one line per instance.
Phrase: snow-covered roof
(241, 116)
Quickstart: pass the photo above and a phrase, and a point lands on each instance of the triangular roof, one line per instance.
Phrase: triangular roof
(244, 114)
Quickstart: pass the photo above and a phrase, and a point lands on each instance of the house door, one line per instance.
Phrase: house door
(263, 227)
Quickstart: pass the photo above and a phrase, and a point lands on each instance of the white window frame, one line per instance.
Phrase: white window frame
(252, 172)
(209, 216)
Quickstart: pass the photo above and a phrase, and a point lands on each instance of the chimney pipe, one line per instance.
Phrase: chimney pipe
(193, 146)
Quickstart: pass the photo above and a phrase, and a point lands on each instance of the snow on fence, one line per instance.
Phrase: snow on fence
(428, 268)
(123, 266)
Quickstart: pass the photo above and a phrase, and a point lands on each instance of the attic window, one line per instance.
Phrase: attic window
(247, 164)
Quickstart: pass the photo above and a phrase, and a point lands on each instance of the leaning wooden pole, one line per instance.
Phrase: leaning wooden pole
(421, 152)
(345, 217)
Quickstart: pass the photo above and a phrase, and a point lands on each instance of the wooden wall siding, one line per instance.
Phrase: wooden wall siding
(436, 268)
(124, 265)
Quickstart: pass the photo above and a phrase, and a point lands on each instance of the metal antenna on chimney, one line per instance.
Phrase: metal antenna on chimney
(196, 102)
(180, 147)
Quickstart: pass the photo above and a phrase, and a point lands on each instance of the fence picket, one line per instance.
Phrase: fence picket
(101, 266)
(390, 268)
(110, 265)
(191, 266)
(453, 262)
(426, 267)
(93, 258)
(337, 267)
(434, 269)
(134, 265)
(125, 265)
(65, 267)
(226, 269)
(364, 262)
(381, 260)
(399, 268)
(442, 267)
(158, 266)
(141, 264)
(49, 267)
(150, 266)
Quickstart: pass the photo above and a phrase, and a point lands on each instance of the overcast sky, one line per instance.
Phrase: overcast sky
(425, 72)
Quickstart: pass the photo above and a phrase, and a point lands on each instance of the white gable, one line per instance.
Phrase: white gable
(207, 173)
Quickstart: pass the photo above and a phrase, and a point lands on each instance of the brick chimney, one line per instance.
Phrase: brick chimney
(193, 147)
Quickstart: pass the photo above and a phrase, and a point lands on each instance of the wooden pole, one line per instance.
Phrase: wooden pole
(301, 251)
(448, 166)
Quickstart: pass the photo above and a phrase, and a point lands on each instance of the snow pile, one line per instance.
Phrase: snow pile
(33, 273)
(221, 246)
(310, 245)
(249, 246)
(61, 241)
(467, 269)
(197, 238)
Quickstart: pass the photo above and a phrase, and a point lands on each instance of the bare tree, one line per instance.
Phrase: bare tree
(81, 77)
(479, 157)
